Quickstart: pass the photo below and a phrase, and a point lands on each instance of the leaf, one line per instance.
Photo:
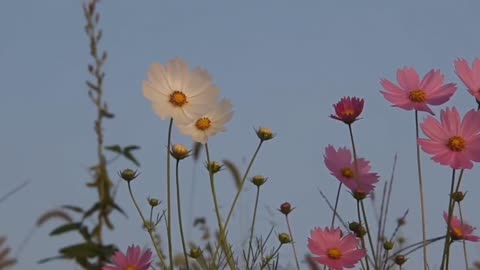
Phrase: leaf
(234, 171)
(92, 210)
(107, 114)
(82, 250)
(73, 208)
(51, 259)
(130, 157)
(114, 205)
(131, 148)
(66, 228)
(114, 148)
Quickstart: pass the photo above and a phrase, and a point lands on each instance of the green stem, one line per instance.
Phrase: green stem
(336, 205)
(169, 203)
(465, 253)
(446, 249)
(179, 208)
(362, 238)
(422, 200)
(222, 237)
(368, 234)
(271, 257)
(149, 229)
(253, 226)
(293, 242)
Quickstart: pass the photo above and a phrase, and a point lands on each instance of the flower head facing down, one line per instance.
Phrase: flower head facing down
(452, 141)
(332, 249)
(209, 124)
(460, 230)
(348, 109)
(134, 259)
(469, 76)
(178, 92)
(342, 166)
(413, 94)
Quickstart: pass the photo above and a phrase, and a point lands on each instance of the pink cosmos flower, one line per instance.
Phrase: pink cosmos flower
(348, 109)
(470, 77)
(133, 260)
(460, 230)
(453, 142)
(331, 249)
(341, 165)
(413, 94)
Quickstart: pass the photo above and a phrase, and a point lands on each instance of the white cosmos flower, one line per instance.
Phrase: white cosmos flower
(177, 92)
(208, 124)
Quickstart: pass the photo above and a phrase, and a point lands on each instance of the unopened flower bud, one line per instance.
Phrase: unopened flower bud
(259, 180)
(153, 202)
(358, 195)
(286, 208)
(458, 196)
(213, 167)
(195, 252)
(128, 174)
(400, 259)
(358, 229)
(179, 151)
(388, 245)
(264, 134)
(284, 238)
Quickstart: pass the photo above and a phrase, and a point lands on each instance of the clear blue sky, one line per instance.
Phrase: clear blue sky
(282, 63)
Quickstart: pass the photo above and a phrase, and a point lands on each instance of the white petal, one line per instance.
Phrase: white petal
(177, 74)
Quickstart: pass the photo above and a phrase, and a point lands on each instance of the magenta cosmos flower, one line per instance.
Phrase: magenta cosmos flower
(133, 260)
(341, 165)
(413, 94)
(460, 230)
(453, 142)
(348, 109)
(331, 249)
(469, 76)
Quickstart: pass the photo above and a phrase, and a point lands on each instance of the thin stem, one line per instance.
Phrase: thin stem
(271, 256)
(336, 205)
(362, 238)
(149, 229)
(223, 237)
(169, 199)
(465, 253)
(293, 242)
(179, 208)
(368, 233)
(422, 200)
(446, 249)
(252, 229)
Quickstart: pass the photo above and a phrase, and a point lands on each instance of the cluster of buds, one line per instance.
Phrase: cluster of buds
(358, 229)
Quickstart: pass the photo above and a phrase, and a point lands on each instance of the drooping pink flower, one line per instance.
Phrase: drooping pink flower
(469, 76)
(452, 141)
(342, 166)
(413, 94)
(331, 249)
(348, 109)
(460, 230)
(134, 259)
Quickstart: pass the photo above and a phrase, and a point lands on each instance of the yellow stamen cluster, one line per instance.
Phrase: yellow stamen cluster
(334, 253)
(178, 98)
(348, 112)
(347, 172)
(203, 123)
(131, 267)
(456, 143)
(457, 233)
(417, 96)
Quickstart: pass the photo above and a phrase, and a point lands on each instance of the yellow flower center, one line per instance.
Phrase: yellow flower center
(348, 112)
(178, 98)
(457, 233)
(456, 143)
(347, 172)
(203, 123)
(131, 267)
(334, 253)
(417, 96)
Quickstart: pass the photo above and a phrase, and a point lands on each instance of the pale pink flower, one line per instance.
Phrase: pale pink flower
(469, 76)
(452, 141)
(341, 165)
(413, 94)
(133, 260)
(348, 109)
(460, 230)
(329, 248)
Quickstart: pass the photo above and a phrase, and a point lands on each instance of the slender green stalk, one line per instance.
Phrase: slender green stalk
(368, 233)
(149, 229)
(465, 253)
(422, 200)
(271, 257)
(223, 237)
(446, 248)
(169, 199)
(179, 208)
(293, 242)
(362, 238)
(253, 226)
(355, 160)
(336, 205)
